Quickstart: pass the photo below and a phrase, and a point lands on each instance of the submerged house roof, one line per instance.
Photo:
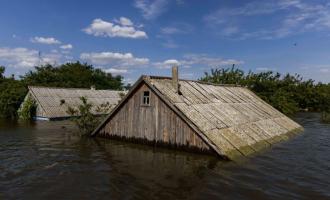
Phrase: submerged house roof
(232, 120)
(49, 100)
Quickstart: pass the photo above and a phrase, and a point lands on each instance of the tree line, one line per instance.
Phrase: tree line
(288, 93)
(69, 75)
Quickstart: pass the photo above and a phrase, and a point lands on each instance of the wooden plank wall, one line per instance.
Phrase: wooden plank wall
(156, 122)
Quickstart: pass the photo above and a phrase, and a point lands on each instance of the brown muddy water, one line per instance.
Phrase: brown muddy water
(46, 160)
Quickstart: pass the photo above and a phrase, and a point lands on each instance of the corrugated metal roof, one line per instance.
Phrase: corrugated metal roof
(233, 118)
(49, 99)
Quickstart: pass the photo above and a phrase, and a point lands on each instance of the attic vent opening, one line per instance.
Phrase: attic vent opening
(146, 98)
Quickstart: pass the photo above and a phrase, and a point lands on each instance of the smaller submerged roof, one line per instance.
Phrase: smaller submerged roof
(49, 99)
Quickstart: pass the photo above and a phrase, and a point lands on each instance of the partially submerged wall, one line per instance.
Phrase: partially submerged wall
(155, 122)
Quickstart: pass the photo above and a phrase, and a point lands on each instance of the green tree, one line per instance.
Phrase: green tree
(288, 93)
(2, 71)
(75, 75)
(12, 93)
(83, 117)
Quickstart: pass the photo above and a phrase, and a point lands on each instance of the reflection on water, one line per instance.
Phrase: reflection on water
(47, 160)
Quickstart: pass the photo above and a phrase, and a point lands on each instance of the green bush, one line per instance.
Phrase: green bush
(28, 109)
(12, 93)
(288, 93)
(284, 102)
(82, 116)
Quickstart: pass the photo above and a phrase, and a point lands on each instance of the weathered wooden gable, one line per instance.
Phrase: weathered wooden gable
(156, 122)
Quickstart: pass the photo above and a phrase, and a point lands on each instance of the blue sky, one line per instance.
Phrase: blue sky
(137, 37)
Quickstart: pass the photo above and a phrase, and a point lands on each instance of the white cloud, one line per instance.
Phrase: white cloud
(125, 21)
(263, 69)
(45, 40)
(316, 72)
(229, 31)
(325, 70)
(118, 28)
(114, 59)
(292, 17)
(249, 9)
(206, 61)
(128, 81)
(65, 52)
(167, 64)
(169, 43)
(170, 30)
(116, 71)
(186, 75)
(26, 58)
(200, 60)
(66, 46)
(177, 28)
(151, 9)
(114, 62)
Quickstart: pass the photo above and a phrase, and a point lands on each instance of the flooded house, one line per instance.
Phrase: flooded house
(52, 103)
(228, 120)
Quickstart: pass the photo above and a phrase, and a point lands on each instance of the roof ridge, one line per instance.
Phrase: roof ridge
(32, 86)
(197, 81)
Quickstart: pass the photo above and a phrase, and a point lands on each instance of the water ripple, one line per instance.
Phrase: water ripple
(43, 160)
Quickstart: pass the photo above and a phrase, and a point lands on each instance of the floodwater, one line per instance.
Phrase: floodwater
(47, 160)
